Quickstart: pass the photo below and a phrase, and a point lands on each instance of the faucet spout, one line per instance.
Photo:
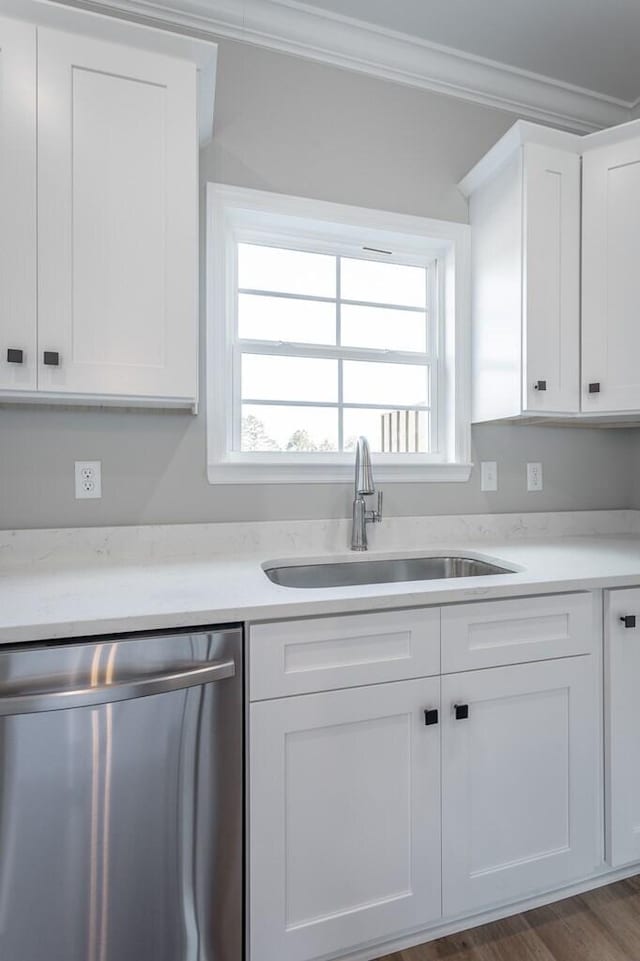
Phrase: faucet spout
(364, 486)
(364, 471)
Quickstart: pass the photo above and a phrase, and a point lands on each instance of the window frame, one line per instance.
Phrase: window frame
(238, 215)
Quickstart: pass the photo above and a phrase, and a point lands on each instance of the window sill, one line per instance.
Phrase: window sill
(265, 473)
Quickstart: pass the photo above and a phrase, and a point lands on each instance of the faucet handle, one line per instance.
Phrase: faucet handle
(378, 512)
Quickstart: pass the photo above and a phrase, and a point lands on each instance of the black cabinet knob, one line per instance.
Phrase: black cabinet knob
(629, 620)
(594, 388)
(15, 355)
(51, 358)
(462, 711)
(540, 385)
(430, 717)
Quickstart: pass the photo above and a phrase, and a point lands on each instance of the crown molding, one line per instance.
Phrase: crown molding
(295, 28)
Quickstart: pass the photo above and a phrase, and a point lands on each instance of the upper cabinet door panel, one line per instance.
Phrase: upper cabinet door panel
(611, 278)
(117, 219)
(18, 205)
(551, 288)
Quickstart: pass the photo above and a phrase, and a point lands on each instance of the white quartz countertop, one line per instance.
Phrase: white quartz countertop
(50, 592)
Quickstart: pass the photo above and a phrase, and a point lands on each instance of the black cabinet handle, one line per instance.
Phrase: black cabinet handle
(462, 711)
(430, 717)
(629, 620)
(15, 355)
(540, 385)
(51, 358)
(594, 388)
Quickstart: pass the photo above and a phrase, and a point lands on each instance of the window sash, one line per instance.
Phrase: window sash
(428, 361)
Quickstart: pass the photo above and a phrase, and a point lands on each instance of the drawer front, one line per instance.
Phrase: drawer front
(322, 654)
(495, 633)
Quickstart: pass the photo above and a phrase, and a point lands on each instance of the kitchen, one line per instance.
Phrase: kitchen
(238, 237)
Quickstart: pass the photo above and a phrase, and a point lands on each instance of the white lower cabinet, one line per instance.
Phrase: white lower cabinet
(344, 819)
(623, 726)
(371, 819)
(519, 789)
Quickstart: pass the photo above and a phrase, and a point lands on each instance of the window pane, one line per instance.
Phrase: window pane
(405, 431)
(383, 329)
(287, 271)
(374, 282)
(369, 383)
(276, 318)
(289, 378)
(267, 428)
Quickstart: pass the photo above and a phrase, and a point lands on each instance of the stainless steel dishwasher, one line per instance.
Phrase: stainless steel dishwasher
(121, 799)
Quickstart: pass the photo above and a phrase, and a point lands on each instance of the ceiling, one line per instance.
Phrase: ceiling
(588, 43)
(574, 64)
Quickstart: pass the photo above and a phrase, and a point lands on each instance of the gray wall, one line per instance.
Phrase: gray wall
(296, 127)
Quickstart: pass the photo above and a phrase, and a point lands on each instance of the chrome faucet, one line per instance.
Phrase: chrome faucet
(364, 486)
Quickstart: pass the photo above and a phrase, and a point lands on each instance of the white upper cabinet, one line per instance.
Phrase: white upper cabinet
(551, 279)
(117, 219)
(99, 127)
(525, 217)
(18, 284)
(610, 277)
(539, 350)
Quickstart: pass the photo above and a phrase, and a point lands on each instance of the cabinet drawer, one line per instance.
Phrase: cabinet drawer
(490, 634)
(321, 654)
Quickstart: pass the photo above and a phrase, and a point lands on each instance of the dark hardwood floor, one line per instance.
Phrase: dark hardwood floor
(602, 925)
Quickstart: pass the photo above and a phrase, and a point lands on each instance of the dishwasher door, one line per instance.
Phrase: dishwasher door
(121, 798)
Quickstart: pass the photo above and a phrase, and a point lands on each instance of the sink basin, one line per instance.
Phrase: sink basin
(349, 573)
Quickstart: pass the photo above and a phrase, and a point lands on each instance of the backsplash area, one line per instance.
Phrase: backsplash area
(48, 550)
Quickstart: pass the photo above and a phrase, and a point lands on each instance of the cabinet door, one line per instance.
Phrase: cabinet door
(117, 205)
(520, 775)
(622, 754)
(344, 819)
(18, 205)
(610, 278)
(551, 280)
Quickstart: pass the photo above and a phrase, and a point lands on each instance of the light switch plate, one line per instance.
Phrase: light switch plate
(489, 475)
(534, 477)
(88, 479)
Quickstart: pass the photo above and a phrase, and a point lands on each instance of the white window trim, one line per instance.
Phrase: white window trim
(234, 214)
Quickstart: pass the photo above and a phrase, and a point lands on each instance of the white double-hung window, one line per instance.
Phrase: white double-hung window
(326, 322)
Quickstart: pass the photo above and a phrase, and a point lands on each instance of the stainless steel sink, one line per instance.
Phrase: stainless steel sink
(348, 573)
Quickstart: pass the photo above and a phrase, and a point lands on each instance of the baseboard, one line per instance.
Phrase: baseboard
(455, 925)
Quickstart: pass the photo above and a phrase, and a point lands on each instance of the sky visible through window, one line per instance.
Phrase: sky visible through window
(329, 348)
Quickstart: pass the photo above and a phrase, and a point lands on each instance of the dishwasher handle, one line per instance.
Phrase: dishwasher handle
(62, 700)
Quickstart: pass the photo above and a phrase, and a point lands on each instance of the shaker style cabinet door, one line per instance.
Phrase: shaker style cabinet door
(622, 726)
(519, 781)
(344, 828)
(551, 280)
(18, 284)
(117, 220)
(611, 278)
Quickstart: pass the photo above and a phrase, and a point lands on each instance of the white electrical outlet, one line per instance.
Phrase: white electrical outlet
(488, 475)
(534, 477)
(88, 479)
